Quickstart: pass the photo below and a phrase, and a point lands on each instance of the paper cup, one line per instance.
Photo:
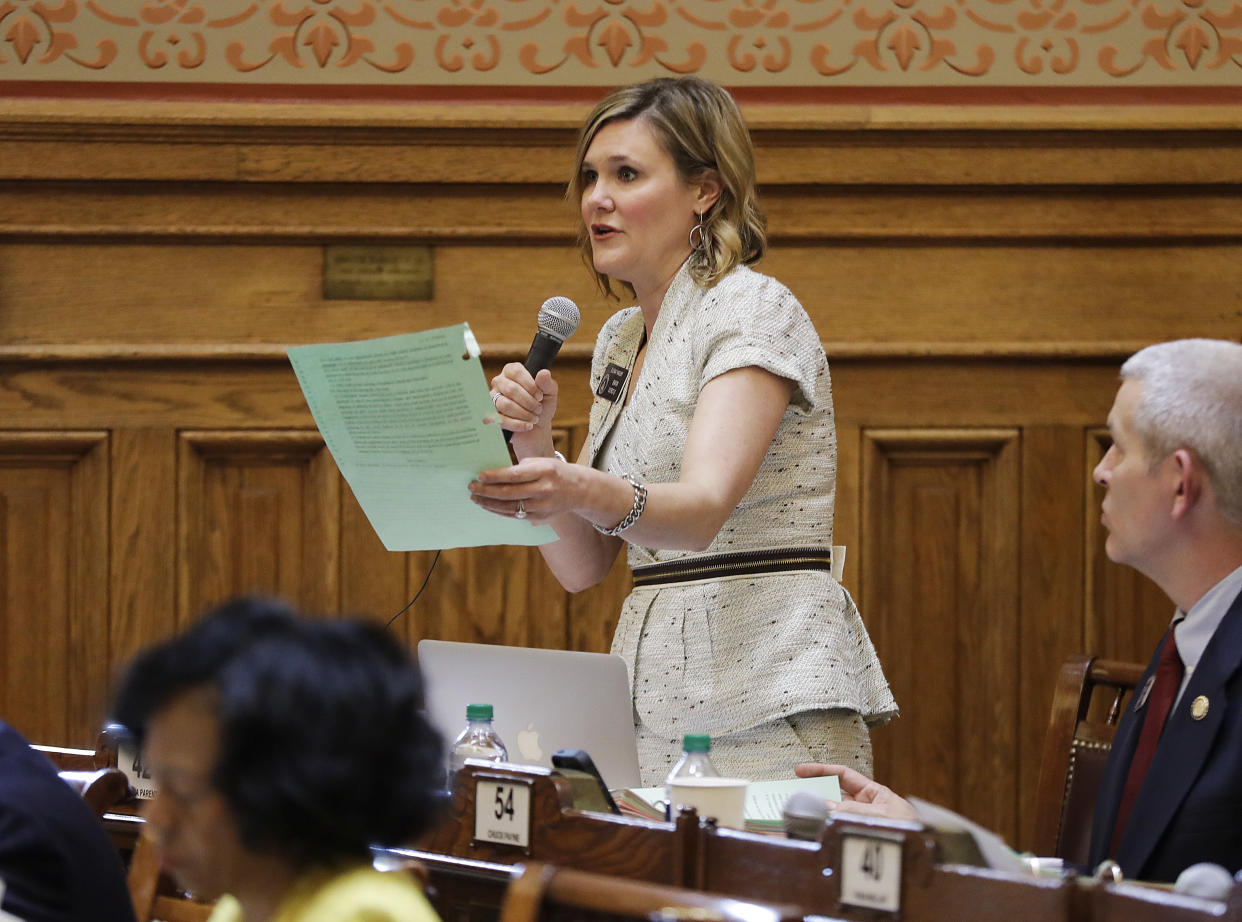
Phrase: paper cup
(722, 798)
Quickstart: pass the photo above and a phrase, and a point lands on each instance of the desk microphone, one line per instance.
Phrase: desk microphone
(804, 815)
(558, 319)
(1206, 880)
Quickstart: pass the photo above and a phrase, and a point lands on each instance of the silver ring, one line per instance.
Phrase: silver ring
(495, 397)
(521, 510)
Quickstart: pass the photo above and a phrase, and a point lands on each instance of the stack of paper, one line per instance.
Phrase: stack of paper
(764, 800)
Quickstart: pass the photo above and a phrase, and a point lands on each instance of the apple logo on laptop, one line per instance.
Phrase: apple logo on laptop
(528, 743)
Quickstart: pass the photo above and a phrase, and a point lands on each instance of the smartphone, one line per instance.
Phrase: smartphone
(590, 792)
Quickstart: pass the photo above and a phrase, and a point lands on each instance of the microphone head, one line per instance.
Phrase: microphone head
(1206, 880)
(804, 815)
(559, 318)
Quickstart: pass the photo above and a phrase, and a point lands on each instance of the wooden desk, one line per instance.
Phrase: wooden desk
(468, 875)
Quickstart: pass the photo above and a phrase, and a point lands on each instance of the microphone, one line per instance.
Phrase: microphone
(1206, 880)
(558, 319)
(804, 815)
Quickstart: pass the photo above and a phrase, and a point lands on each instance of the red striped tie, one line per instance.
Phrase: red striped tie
(1168, 680)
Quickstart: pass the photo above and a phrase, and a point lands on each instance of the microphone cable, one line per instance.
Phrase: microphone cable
(430, 570)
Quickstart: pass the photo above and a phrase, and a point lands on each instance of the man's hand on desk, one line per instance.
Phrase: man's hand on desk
(862, 795)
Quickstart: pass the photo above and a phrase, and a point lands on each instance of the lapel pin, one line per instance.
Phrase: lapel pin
(1141, 698)
(1199, 707)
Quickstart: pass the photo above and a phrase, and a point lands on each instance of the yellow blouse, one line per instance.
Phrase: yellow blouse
(356, 894)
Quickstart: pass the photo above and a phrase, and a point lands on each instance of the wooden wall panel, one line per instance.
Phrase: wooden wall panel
(997, 292)
(53, 564)
(977, 275)
(258, 513)
(941, 531)
(142, 532)
(1050, 589)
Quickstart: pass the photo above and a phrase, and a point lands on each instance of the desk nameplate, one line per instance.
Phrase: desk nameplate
(502, 810)
(871, 869)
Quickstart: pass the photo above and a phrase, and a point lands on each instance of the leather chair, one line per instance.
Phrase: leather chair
(1087, 705)
(544, 893)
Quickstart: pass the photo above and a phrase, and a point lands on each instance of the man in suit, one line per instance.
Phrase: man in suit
(1171, 794)
(56, 862)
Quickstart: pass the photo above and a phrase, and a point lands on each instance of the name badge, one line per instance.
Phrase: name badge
(612, 385)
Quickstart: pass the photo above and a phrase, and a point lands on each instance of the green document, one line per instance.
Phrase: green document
(403, 418)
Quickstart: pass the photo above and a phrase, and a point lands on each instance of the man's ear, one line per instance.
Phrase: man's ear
(1188, 486)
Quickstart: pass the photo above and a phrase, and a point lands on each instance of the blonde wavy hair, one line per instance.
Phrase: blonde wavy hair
(700, 127)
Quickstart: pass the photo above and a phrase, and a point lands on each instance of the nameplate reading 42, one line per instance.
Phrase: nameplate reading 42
(871, 872)
(502, 812)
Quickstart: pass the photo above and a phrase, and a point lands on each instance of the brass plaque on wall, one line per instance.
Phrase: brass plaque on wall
(377, 273)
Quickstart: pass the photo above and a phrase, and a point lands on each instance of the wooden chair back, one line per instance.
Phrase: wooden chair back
(1090, 697)
(101, 788)
(545, 893)
(154, 895)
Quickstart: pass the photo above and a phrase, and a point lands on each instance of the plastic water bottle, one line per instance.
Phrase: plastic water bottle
(478, 741)
(694, 763)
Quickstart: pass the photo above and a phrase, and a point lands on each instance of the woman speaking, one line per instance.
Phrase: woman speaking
(711, 454)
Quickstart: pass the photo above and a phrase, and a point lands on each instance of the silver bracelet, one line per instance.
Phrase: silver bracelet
(640, 503)
(559, 456)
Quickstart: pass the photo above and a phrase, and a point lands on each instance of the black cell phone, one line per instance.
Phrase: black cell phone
(590, 792)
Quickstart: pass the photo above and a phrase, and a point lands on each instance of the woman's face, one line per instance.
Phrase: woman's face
(195, 831)
(637, 211)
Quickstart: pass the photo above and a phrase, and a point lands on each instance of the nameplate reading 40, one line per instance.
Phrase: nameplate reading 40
(502, 812)
(871, 871)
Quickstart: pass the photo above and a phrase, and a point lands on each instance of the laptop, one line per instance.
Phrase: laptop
(542, 701)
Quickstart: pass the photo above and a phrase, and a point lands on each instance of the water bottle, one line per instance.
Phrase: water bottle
(694, 763)
(477, 741)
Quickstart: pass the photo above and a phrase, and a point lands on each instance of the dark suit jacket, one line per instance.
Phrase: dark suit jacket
(1189, 808)
(56, 861)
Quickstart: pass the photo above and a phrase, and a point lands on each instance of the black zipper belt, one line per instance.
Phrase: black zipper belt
(736, 563)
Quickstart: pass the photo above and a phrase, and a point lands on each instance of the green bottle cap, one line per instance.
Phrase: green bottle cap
(478, 712)
(697, 742)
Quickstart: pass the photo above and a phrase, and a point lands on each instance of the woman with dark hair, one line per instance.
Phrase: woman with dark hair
(711, 453)
(283, 748)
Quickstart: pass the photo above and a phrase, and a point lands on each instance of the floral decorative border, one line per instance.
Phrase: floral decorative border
(531, 43)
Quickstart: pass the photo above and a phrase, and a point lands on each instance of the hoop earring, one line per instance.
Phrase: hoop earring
(702, 236)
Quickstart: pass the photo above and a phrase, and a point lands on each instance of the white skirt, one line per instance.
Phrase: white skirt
(769, 751)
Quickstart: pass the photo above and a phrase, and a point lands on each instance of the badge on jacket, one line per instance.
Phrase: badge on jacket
(612, 384)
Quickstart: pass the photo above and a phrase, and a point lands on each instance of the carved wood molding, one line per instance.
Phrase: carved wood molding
(798, 214)
(329, 119)
(49, 445)
(526, 143)
(264, 354)
(274, 444)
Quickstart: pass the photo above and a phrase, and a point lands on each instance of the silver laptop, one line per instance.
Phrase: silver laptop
(543, 700)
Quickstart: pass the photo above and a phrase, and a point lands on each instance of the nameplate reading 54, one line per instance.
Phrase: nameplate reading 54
(502, 813)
